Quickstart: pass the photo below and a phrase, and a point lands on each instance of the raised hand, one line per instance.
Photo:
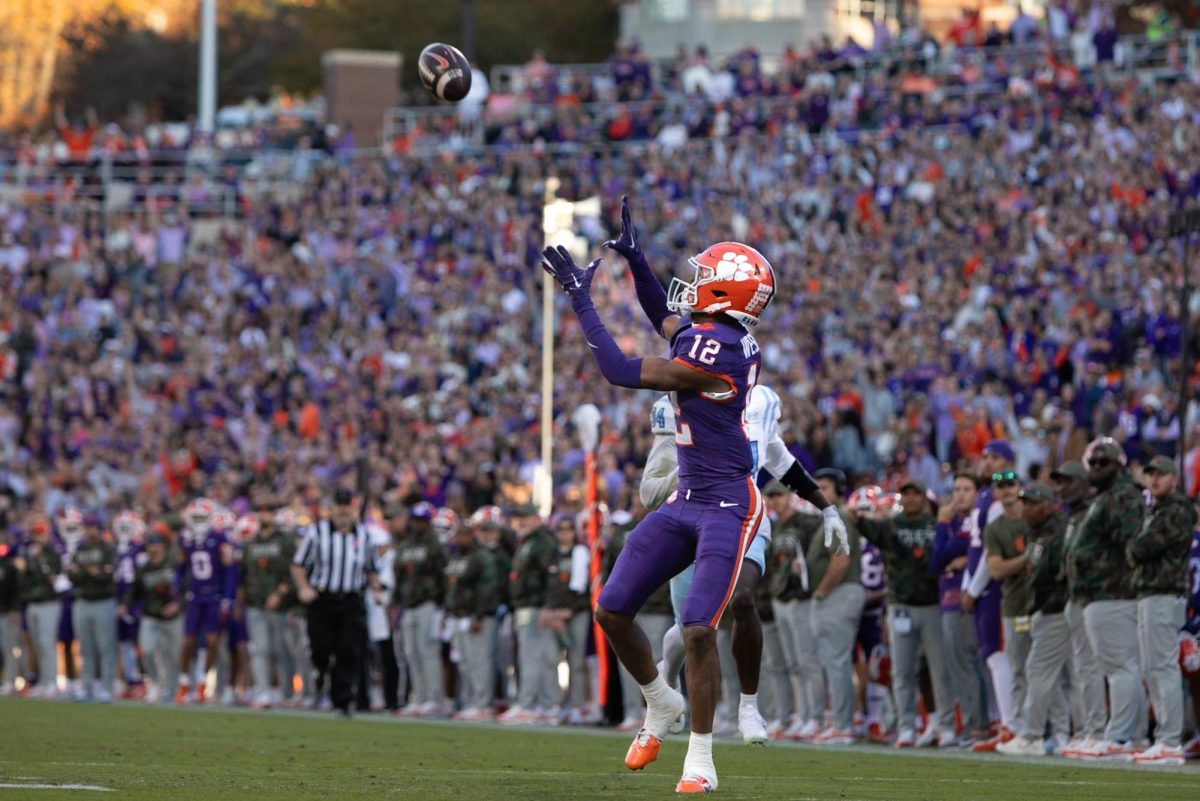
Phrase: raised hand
(559, 264)
(627, 243)
(835, 529)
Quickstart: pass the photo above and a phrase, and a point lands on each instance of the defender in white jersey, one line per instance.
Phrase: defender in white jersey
(768, 452)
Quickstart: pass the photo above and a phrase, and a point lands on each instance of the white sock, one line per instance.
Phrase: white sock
(750, 701)
(698, 761)
(656, 691)
(876, 697)
(1002, 683)
(673, 653)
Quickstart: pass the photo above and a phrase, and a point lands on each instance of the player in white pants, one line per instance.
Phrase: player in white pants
(768, 452)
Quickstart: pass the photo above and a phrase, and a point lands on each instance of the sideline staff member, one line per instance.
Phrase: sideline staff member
(333, 564)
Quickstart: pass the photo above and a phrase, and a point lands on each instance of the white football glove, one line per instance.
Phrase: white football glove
(834, 527)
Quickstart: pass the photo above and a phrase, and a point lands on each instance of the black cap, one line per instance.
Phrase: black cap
(833, 474)
(343, 497)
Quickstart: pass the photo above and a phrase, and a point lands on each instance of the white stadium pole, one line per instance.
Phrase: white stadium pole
(206, 117)
(543, 486)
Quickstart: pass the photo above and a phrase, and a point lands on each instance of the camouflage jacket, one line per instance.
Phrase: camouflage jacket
(1047, 589)
(789, 538)
(1160, 551)
(906, 544)
(527, 579)
(1097, 566)
(472, 585)
(420, 568)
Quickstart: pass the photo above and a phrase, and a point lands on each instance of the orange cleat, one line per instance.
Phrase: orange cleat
(643, 751)
(693, 784)
(181, 695)
(200, 694)
(989, 746)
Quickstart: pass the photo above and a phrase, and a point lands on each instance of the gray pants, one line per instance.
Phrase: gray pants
(731, 686)
(793, 619)
(1087, 679)
(1160, 617)
(42, 619)
(423, 653)
(835, 624)
(95, 625)
(266, 646)
(477, 661)
(577, 629)
(1048, 657)
(961, 649)
(537, 658)
(775, 689)
(299, 653)
(160, 641)
(655, 626)
(924, 630)
(10, 630)
(1016, 648)
(1112, 627)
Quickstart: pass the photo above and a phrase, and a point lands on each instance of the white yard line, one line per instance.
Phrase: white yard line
(81, 787)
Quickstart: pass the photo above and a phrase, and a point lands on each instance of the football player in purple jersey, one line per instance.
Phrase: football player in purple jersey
(207, 557)
(714, 515)
(128, 528)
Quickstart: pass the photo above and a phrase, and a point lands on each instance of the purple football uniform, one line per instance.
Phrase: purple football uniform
(874, 579)
(129, 558)
(714, 515)
(208, 578)
(988, 629)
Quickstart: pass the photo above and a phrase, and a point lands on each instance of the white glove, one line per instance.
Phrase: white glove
(834, 527)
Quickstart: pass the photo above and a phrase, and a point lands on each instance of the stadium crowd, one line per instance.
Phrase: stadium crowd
(971, 292)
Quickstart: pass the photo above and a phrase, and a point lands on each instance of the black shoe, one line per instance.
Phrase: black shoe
(344, 712)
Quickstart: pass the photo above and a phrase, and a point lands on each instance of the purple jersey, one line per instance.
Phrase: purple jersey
(710, 437)
(1193, 611)
(873, 576)
(129, 558)
(206, 572)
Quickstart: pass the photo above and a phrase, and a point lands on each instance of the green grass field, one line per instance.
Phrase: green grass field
(208, 754)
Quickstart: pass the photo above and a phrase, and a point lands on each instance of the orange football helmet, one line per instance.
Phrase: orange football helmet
(731, 278)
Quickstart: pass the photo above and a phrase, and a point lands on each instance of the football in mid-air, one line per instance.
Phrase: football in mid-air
(445, 71)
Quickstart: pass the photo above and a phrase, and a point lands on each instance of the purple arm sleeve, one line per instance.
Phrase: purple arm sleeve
(650, 293)
(614, 365)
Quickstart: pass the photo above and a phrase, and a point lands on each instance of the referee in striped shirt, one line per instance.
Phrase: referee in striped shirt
(333, 565)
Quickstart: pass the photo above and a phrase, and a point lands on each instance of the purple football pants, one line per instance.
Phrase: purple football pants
(713, 527)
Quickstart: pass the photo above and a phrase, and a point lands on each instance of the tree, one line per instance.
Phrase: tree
(29, 46)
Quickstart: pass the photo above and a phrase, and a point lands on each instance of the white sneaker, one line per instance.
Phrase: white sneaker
(1022, 746)
(661, 716)
(906, 738)
(775, 728)
(1160, 754)
(431, 709)
(1077, 746)
(1108, 751)
(948, 739)
(153, 694)
(1057, 744)
(832, 736)
(808, 731)
(103, 697)
(928, 738)
(6, 689)
(514, 716)
(751, 725)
